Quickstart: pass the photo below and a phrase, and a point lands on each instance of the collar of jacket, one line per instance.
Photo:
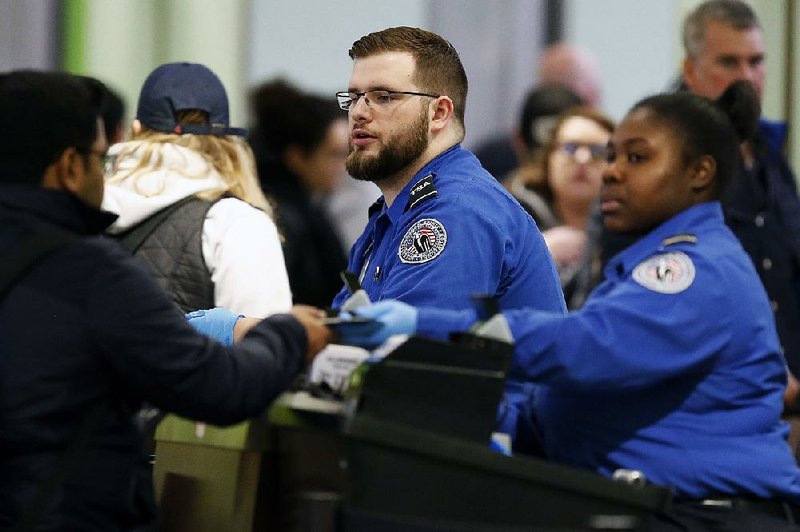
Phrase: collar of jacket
(56, 207)
(773, 135)
(687, 222)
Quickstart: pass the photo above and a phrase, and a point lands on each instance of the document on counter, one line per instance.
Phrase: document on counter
(334, 364)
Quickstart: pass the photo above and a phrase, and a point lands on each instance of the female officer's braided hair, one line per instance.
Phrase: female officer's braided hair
(705, 127)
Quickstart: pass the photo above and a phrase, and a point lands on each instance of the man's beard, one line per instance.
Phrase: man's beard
(397, 155)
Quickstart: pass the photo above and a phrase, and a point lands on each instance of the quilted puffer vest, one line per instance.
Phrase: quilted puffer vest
(170, 245)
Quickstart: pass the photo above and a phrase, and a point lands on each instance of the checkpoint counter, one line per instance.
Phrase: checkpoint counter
(408, 450)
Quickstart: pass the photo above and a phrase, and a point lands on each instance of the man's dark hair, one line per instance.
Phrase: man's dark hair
(112, 109)
(41, 115)
(438, 66)
(733, 13)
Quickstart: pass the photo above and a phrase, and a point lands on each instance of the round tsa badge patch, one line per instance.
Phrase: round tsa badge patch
(668, 273)
(424, 241)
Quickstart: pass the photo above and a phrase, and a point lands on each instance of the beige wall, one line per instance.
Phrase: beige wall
(127, 39)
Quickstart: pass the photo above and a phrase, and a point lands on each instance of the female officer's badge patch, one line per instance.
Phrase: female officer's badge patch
(668, 273)
(424, 241)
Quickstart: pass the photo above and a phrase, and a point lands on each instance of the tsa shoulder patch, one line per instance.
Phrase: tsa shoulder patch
(424, 241)
(667, 273)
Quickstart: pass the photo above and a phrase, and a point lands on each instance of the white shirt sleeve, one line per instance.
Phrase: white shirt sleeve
(243, 253)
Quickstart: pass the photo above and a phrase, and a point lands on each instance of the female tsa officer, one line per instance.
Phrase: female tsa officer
(673, 367)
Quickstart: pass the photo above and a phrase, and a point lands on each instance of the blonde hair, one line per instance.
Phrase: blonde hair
(230, 155)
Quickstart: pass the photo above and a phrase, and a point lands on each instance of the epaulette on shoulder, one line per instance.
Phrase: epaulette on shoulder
(422, 190)
(681, 238)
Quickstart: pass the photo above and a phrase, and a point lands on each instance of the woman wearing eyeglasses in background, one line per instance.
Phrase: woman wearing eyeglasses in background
(560, 186)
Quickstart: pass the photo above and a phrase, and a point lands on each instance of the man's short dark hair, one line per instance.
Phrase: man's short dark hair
(112, 109)
(41, 115)
(438, 66)
(733, 13)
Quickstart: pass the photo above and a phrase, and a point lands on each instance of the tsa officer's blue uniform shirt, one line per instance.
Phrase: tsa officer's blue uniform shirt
(452, 232)
(672, 367)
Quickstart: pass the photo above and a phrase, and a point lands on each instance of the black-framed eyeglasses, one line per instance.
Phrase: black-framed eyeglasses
(597, 152)
(380, 98)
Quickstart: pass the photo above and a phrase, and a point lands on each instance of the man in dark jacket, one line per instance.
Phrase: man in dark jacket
(724, 42)
(87, 335)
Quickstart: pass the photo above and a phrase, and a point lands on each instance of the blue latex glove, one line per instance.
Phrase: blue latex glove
(390, 318)
(216, 323)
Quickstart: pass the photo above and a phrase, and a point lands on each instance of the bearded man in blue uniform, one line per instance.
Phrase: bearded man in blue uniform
(444, 229)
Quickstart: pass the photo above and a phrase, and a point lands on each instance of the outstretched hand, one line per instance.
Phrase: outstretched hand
(318, 334)
(389, 318)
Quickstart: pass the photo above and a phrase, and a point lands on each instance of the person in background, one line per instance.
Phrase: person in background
(537, 118)
(560, 186)
(724, 42)
(560, 64)
(188, 199)
(300, 144)
(88, 335)
(672, 368)
(573, 67)
(444, 229)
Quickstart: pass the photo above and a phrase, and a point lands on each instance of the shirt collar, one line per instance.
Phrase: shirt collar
(692, 220)
(376, 207)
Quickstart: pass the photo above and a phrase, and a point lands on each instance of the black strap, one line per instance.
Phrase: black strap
(133, 238)
(21, 258)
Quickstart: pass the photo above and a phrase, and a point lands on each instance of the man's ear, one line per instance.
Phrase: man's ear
(703, 172)
(442, 112)
(66, 173)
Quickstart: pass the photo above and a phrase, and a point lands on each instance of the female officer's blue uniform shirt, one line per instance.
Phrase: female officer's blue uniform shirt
(671, 368)
(453, 232)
